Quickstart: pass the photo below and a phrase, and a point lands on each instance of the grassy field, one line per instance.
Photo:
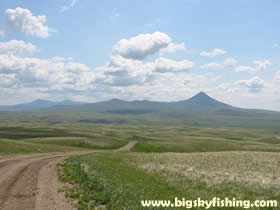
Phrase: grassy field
(170, 162)
(122, 180)
(16, 138)
(187, 139)
(8, 147)
(166, 162)
(150, 138)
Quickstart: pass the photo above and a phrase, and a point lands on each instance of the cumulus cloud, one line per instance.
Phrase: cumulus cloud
(7, 80)
(171, 48)
(277, 76)
(167, 65)
(57, 59)
(22, 20)
(121, 71)
(167, 87)
(241, 88)
(215, 52)
(143, 45)
(254, 85)
(60, 75)
(245, 69)
(127, 68)
(259, 66)
(17, 47)
(2, 34)
(38, 73)
(228, 62)
(70, 6)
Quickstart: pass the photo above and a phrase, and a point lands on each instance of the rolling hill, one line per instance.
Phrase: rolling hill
(199, 110)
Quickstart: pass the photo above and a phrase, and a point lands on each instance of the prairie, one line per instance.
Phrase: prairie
(122, 180)
(166, 162)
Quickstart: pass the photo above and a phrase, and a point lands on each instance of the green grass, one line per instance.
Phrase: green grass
(8, 147)
(113, 183)
(188, 139)
(122, 180)
(42, 137)
(203, 145)
(76, 142)
(150, 138)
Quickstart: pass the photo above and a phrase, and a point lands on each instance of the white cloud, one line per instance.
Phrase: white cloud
(254, 85)
(259, 66)
(230, 62)
(143, 45)
(121, 71)
(7, 80)
(127, 68)
(171, 48)
(60, 75)
(251, 93)
(2, 34)
(22, 20)
(215, 52)
(277, 76)
(17, 47)
(47, 73)
(72, 4)
(245, 69)
(167, 87)
(161, 79)
(227, 63)
(167, 65)
(262, 65)
(57, 59)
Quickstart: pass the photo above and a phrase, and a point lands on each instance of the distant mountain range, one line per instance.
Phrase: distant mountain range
(38, 104)
(199, 102)
(199, 110)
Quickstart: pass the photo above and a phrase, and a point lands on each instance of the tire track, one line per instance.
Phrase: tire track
(19, 191)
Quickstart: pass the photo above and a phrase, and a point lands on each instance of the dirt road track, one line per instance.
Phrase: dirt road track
(30, 182)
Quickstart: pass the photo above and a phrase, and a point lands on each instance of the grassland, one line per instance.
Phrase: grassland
(187, 139)
(150, 138)
(16, 138)
(170, 162)
(9, 147)
(122, 180)
(167, 161)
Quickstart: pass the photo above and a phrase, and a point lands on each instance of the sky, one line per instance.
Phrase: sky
(161, 50)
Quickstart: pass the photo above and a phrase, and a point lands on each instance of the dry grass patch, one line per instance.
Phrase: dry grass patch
(250, 168)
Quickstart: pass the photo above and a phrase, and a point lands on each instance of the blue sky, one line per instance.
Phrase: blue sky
(172, 42)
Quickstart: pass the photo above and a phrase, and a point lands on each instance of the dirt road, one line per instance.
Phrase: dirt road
(30, 182)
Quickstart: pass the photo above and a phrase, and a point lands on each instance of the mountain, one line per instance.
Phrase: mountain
(199, 102)
(203, 101)
(38, 104)
(199, 110)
